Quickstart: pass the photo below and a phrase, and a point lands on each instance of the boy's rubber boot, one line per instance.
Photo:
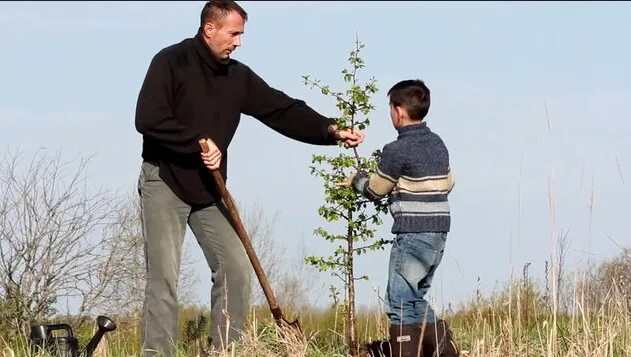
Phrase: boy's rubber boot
(405, 340)
(378, 348)
(438, 341)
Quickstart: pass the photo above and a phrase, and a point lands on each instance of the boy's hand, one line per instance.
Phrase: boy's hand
(212, 157)
(347, 182)
(350, 136)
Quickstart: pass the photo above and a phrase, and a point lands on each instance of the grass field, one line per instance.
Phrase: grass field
(515, 322)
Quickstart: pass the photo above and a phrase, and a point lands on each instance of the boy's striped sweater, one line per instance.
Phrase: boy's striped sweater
(414, 173)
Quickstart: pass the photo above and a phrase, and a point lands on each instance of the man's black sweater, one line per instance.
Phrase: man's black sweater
(188, 94)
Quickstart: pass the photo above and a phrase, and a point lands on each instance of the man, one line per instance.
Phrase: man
(194, 90)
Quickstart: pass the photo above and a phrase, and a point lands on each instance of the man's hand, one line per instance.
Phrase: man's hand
(350, 136)
(347, 182)
(212, 157)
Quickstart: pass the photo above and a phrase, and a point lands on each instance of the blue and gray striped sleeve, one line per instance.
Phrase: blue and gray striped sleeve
(381, 183)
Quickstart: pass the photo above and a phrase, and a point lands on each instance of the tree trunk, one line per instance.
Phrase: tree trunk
(351, 334)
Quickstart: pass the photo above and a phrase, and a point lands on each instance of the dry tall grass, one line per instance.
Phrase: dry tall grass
(515, 322)
(500, 327)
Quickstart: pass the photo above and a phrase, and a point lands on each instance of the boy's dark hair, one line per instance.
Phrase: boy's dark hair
(413, 96)
(216, 9)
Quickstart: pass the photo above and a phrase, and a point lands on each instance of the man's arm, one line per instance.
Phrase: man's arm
(154, 110)
(288, 116)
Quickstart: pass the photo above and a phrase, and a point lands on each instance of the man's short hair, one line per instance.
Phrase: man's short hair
(215, 10)
(413, 96)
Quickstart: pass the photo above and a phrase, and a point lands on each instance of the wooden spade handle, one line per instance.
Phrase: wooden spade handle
(243, 235)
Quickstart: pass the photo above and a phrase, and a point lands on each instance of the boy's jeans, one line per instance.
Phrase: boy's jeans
(413, 261)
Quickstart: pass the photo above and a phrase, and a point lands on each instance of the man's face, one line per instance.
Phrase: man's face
(224, 35)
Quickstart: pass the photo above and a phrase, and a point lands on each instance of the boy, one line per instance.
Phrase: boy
(414, 173)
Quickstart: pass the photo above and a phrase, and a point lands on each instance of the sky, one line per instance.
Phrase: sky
(531, 98)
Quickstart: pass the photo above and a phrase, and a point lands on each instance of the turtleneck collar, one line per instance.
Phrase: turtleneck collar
(207, 56)
(412, 129)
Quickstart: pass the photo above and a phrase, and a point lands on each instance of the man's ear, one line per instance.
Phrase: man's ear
(208, 28)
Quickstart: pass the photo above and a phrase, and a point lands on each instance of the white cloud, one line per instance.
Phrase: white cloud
(12, 114)
(8, 115)
(95, 15)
